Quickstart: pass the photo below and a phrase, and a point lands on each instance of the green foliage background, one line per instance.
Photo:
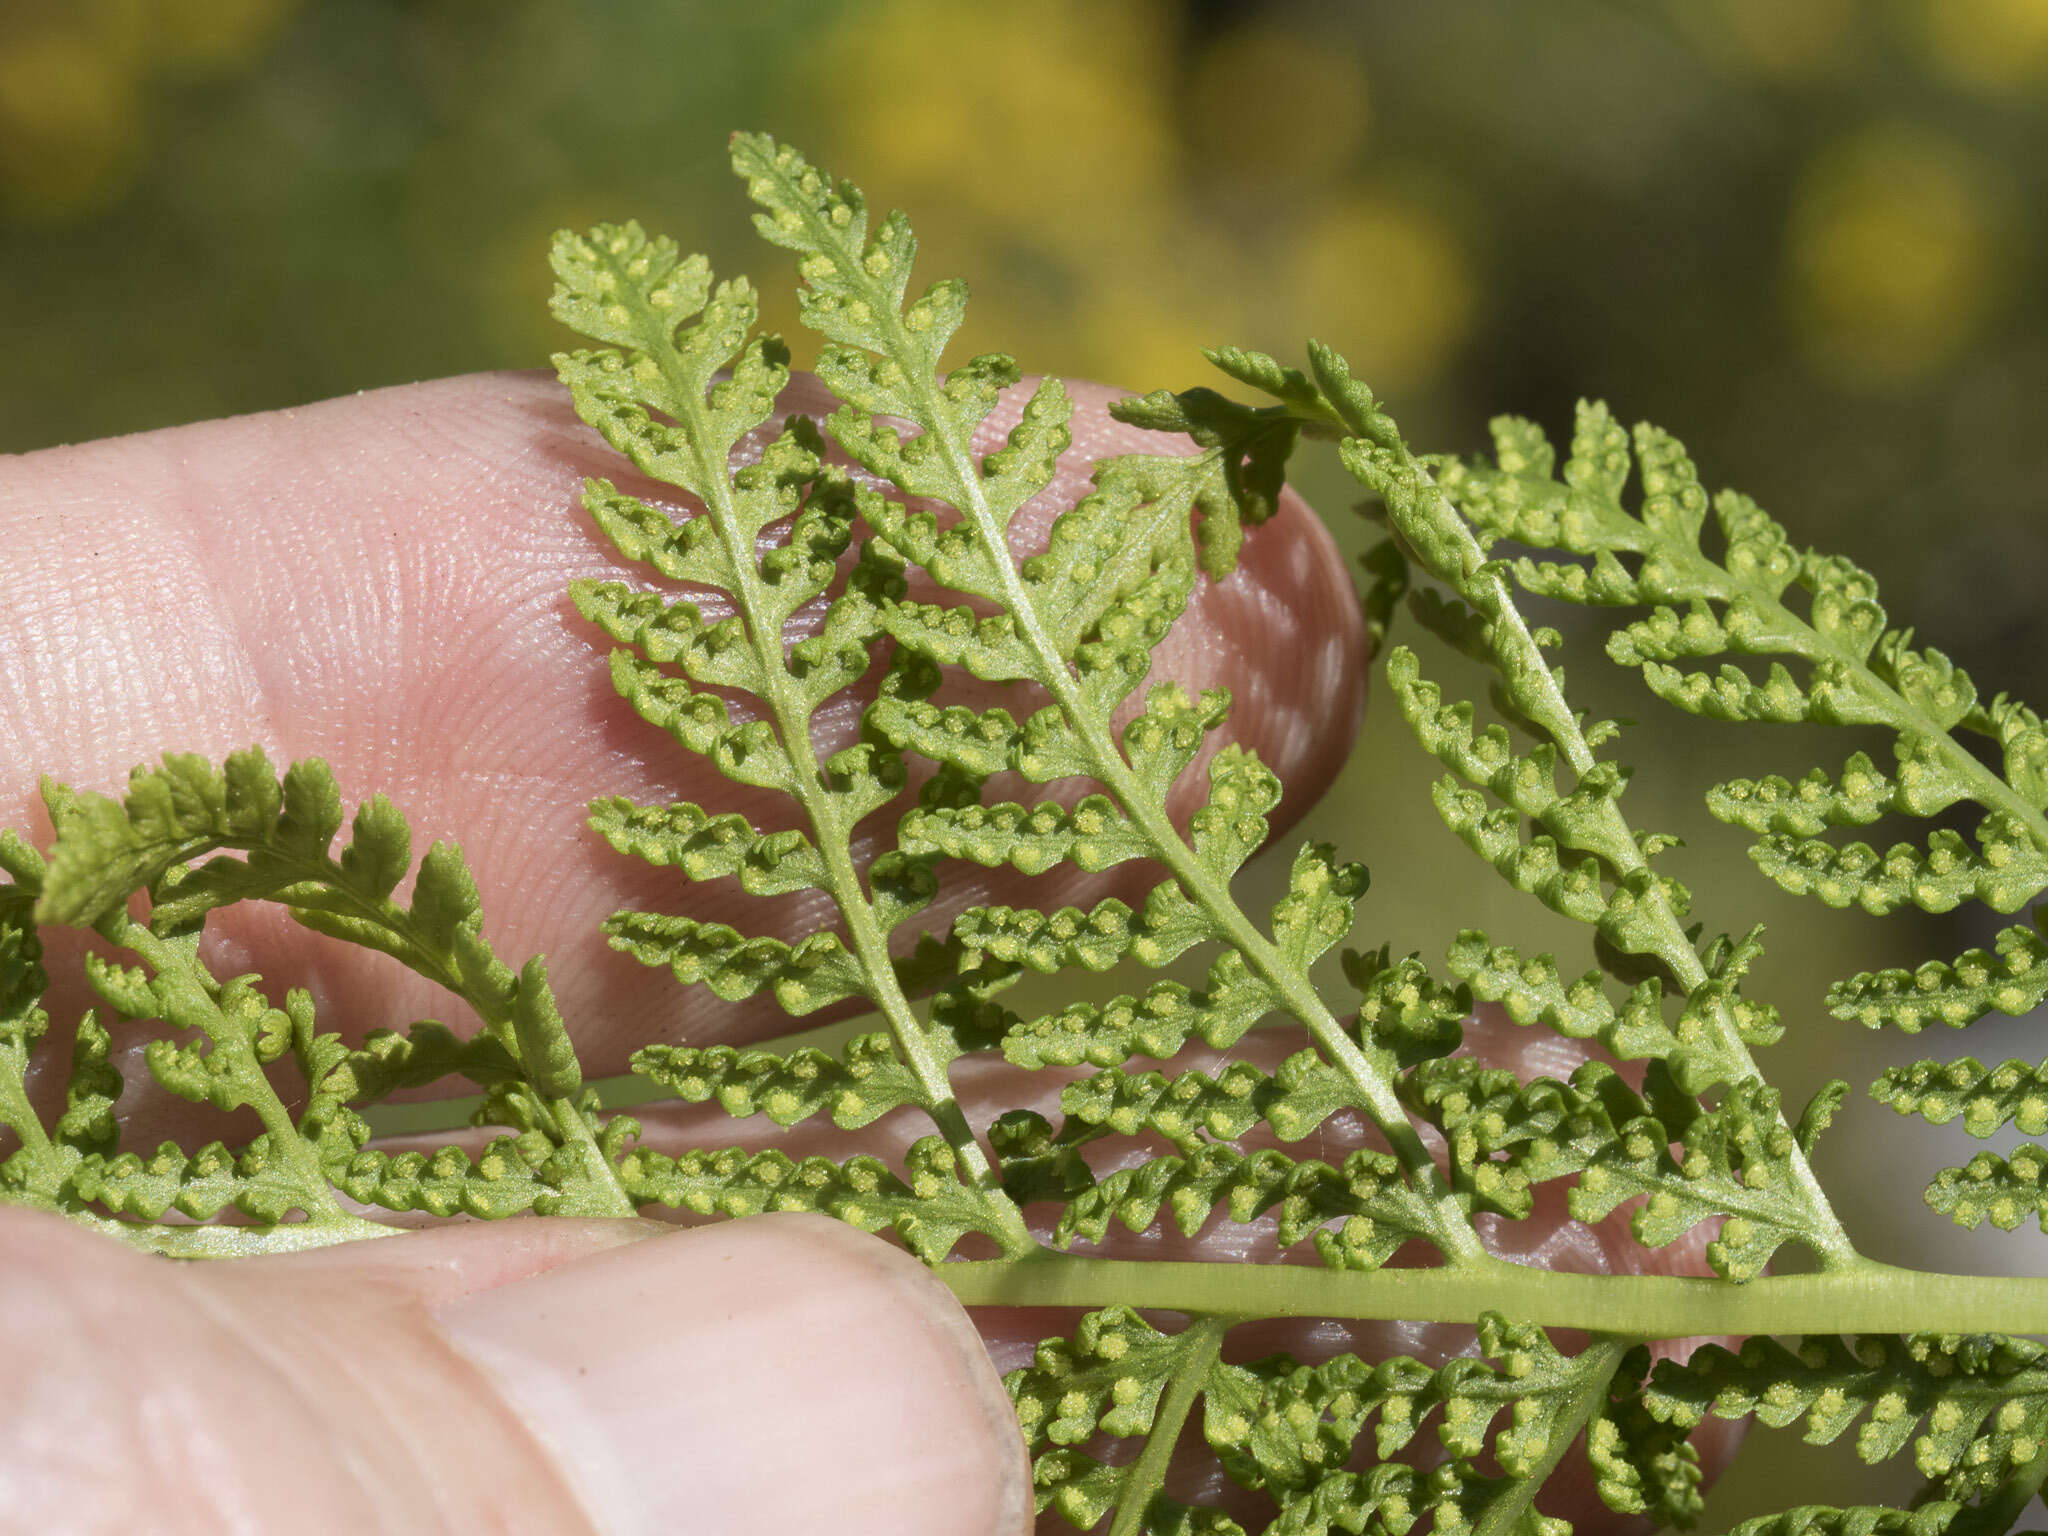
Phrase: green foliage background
(1808, 237)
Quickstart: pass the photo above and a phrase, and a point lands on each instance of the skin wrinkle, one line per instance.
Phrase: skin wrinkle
(52, 1415)
(965, 1347)
(287, 1370)
(153, 1409)
(255, 1371)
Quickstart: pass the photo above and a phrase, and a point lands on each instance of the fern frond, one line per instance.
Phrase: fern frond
(1983, 1401)
(1079, 619)
(1857, 1520)
(2004, 872)
(1532, 992)
(1987, 1098)
(176, 814)
(1289, 1429)
(894, 562)
(2004, 1191)
(860, 1085)
(2011, 979)
(929, 1207)
(1852, 670)
(1375, 1211)
(1693, 1164)
(1157, 1024)
(660, 392)
(1193, 1106)
(804, 977)
(1642, 1465)
(710, 847)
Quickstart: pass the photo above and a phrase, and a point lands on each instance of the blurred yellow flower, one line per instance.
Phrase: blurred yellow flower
(75, 85)
(215, 37)
(1038, 146)
(1277, 105)
(1773, 39)
(1051, 112)
(1987, 45)
(70, 123)
(1893, 255)
(1388, 283)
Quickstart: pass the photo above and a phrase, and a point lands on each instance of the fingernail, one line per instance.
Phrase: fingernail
(783, 1373)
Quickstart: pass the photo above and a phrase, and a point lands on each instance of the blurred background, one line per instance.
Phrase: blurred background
(1807, 237)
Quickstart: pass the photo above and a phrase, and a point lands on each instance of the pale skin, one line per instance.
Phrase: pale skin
(379, 581)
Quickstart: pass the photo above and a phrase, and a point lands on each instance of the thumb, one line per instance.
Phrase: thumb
(785, 1373)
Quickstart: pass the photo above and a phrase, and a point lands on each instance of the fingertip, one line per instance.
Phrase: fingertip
(782, 1373)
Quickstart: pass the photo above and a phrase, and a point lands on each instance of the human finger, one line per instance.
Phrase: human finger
(553, 1377)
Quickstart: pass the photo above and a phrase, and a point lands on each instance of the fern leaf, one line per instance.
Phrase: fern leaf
(804, 977)
(710, 847)
(2004, 1191)
(1375, 1211)
(1983, 1401)
(1092, 835)
(2010, 979)
(107, 849)
(1289, 1429)
(1987, 1098)
(1850, 670)
(930, 1210)
(1855, 797)
(1642, 1465)
(1193, 1106)
(1157, 1024)
(1856, 1520)
(857, 1087)
(1166, 927)
(1533, 992)
(2005, 872)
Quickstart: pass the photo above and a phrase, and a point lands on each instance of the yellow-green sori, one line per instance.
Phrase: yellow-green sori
(1056, 653)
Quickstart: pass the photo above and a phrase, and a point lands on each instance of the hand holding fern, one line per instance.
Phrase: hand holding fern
(378, 581)
(317, 580)
(355, 580)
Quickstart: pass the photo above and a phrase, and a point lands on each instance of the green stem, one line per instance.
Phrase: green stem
(1595, 1365)
(1201, 1342)
(19, 1116)
(1872, 1298)
(831, 836)
(574, 1131)
(222, 1240)
(1987, 787)
(1451, 1229)
(1487, 589)
(196, 989)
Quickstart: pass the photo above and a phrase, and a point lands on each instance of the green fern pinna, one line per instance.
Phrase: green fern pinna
(983, 669)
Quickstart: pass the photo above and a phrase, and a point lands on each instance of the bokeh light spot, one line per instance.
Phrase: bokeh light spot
(1772, 39)
(1893, 255)
(1987, 45)
(1277, 105)
(1389, 284)
(69, 124)
(211, 38)
(1043, 112)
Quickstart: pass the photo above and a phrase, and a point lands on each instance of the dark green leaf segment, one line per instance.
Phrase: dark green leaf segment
(893, 563)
